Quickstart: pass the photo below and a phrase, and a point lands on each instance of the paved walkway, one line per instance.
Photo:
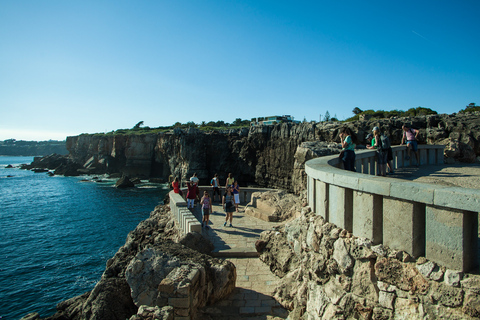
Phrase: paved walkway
(252, 298)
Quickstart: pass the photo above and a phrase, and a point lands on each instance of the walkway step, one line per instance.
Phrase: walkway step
(236, 253)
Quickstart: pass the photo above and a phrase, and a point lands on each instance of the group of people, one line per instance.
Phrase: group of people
(230, 199)
(381, 143)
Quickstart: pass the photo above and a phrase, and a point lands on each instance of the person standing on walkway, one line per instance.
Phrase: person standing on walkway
(176, 186)
(194, 178)
(216, 189)
(410, 137)
(348, 146)
(381, 153)
(206, 209)
(236, 194)
(228, 206)
(191, 195)
(230, 181)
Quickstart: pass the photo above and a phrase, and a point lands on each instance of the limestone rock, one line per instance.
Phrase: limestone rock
(341, 255)
(124, 182)
(452, 278)
(197, 242)
(403, 276)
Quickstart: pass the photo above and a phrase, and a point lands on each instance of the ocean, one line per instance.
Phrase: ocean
(57, 234)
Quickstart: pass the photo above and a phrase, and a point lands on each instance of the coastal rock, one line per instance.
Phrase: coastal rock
(124, 182)
(348, 278)
(273, 206)
(111, 297)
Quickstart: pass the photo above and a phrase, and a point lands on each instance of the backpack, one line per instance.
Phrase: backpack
(384, 142)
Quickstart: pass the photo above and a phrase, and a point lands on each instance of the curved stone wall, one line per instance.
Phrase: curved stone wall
(440, 223)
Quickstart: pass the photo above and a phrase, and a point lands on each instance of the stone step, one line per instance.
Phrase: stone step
(236, 253)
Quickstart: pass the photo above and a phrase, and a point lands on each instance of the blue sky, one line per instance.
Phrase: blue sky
(72, 67)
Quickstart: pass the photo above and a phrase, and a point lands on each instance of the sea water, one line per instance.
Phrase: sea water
(57, 233)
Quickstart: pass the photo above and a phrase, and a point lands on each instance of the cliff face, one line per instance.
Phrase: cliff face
(266, 155)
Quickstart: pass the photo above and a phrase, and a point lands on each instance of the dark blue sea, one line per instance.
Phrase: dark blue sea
(57, 233)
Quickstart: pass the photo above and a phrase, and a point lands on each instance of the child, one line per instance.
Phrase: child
(206, 209)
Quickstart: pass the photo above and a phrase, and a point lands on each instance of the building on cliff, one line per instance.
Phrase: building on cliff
(272, 120)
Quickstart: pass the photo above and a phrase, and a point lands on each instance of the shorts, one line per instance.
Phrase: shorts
(236, 196)
(413, 143)
(381, 157)
(230, 208)
(206, 211)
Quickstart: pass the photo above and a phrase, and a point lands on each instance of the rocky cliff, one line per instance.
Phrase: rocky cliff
(328, 273)
(268, 156)
(157, 267)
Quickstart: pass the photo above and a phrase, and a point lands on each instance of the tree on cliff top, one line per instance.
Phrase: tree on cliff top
(138, 125)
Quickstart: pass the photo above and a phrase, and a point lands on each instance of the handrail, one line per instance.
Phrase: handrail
(438, 222)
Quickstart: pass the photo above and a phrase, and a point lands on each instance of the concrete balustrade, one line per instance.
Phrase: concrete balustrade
(187, 221)
(438, 222)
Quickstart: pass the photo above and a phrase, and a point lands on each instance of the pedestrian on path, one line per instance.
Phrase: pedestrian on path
(206, 209)
(236, 195)
(216, 188)
(230, 181)
(381, 152)
(348, 140)
(176, 187)
(228, 206)
(410, 137)
(191, 194)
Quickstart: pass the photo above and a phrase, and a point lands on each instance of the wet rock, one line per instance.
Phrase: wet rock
(124, 182)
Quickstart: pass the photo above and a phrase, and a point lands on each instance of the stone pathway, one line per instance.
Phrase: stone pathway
(252, 298)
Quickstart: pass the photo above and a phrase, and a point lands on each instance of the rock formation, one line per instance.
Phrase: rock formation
(327, 273)
(152, 274)
(268, 156)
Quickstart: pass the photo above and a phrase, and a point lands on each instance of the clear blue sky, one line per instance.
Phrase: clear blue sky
(71, 67)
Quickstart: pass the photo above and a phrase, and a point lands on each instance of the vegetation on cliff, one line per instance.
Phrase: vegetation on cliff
(12, 147)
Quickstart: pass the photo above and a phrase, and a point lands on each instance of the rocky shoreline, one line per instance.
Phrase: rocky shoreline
(326, 272)
(266, 156)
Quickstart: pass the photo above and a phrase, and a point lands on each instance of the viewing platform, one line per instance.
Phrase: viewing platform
(431, 220)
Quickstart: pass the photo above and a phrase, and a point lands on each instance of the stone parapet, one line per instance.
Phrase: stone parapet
(422, 219)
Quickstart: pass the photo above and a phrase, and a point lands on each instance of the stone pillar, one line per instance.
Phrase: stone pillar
(311, 193)
(422, 156)
(439, 156)
(432, 154)
(372, 170)
(451, 237)
(365, 165)
(340, 207)
(404, 225)
(321, 199)
(367, 216)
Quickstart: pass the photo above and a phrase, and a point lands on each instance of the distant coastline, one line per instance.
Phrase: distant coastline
(14, 147)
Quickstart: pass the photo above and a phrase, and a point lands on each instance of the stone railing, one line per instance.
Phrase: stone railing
(438, 222)
(187, 220)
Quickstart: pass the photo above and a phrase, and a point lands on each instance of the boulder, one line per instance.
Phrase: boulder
(124, 182)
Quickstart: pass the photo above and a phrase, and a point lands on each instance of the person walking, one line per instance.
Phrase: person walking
(376, 143)
(236, 194)
(191, 195)
(230, 180)
(228, 205)
(410, 137)
(348, 146)
(206, 209)
(216, 189)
